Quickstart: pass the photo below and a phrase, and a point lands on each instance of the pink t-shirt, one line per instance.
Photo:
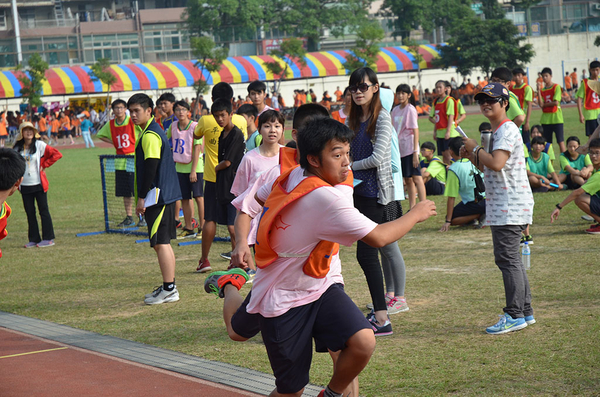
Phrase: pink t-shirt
(404, 121)
(253, 164)
(323, 214)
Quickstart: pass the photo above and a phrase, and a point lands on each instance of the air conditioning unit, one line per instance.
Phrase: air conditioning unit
(595, 8)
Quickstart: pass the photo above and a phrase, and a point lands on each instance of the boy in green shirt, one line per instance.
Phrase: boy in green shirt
(539, 166)
(549, 97)
(588, 102)
(586, 197)
(433, 170)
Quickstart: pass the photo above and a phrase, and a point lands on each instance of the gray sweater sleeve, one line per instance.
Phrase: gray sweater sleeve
(383, 139)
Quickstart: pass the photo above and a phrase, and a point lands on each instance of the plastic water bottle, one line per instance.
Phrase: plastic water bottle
(526, 256)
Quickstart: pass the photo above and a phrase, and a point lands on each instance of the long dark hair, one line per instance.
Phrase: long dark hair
(356, 112)
(406, 89)
(566, 152)
(20, 144)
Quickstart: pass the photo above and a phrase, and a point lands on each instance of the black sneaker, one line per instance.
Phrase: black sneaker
(226, 255)
(128, 221)
(142, 222)
(178, 224)
(380, 330)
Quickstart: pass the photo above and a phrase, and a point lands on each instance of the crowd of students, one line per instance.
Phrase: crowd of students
(339, 180)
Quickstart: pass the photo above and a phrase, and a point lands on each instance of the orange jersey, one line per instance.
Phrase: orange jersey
(3, 131)
(568, 85)
(65, 123)
(54, 125)
(338, 95)
(42, 124)
(573, 78)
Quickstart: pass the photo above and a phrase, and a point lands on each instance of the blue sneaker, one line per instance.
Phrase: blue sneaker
(506, 324)
(529, 320)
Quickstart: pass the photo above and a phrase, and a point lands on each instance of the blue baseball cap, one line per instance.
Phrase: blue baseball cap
(493, 90)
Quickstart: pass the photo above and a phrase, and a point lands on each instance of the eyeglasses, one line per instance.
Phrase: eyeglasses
(363, 87)
(489, 101)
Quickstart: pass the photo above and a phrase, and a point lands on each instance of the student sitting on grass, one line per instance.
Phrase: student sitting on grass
(587, 197)
(12, 168)
(433, 170)
(575, 168)
(539, 167)
(538, 130)
(460, 183)
(298, 295)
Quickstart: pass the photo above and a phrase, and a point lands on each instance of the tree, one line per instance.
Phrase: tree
(366, 51)
(100, 71)
(32, 85)
(428, 14)
(290, 51)
(209, 58)
(496, 44)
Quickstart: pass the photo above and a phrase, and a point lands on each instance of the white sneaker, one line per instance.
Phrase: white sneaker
(397, 306)
(161, 296)
(151, 294)
(587, 218)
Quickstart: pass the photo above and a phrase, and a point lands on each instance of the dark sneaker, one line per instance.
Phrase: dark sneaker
(185, 233)
(215, 282)
(178, 224)
(128, 221)
(203, 266)
(142, 222)
(226, 255)
(379, 330)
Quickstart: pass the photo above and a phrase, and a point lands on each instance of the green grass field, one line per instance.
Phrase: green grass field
(439, 347)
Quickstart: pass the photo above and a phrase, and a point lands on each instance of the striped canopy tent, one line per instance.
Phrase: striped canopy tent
(243, 69)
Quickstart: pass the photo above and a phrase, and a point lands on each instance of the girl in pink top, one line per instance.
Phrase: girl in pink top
(404, 119)
(270, 124)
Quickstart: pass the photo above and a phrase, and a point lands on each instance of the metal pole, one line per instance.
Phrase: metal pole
(15, 16)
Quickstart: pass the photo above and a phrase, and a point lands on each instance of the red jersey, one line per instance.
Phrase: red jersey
(441, 117)
(592, 101)
(4, 214)
(548, 96)
(123, 137)
(520, 93)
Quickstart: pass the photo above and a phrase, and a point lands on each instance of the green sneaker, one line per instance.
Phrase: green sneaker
(215, 282)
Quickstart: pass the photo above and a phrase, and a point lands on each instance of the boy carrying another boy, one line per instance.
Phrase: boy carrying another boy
(587, 197)
(12, 168)
(460, 183)
(509, 206)
(155, 171)
(296, 296)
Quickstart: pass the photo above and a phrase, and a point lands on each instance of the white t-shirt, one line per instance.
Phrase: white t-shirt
(32, 164)
(253, 165)
(404, 121)
(323, 214)
(509, 200)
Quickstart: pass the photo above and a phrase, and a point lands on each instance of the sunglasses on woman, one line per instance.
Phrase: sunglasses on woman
(363, 87)
(488, 101)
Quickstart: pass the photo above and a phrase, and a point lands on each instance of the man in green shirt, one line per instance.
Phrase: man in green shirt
(587, 197)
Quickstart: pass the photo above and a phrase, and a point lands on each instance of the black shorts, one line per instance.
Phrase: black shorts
(408, 169)
(190, 190)
(3, 137)
(210, 201)
(557, 129)
(468, 209)
(525, 134)
(226, 213)
(245, 324)
(124, 183)
(595, 204)
(331, 320)
(43, 133)
(54, 134)
(442, 145)
(433, 187)
(164, 216)
(590, 126)
(570, 184)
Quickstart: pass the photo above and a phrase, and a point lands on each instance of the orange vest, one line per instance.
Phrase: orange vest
(520, 93)
(3, 222)
(336, 116)
(548, 96)
(123, 137)
(592, 101)
(319, 260)
(441, 115)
